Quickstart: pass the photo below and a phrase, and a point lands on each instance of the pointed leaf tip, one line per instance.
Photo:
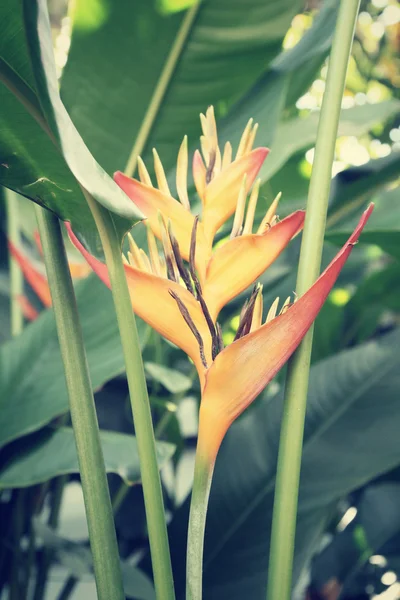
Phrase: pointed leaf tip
(243, 369)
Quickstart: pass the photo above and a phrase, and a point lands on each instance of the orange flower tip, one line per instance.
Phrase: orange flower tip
(98, 267)
(361, 224)
(38, 242)
(36, 280)
(28, 310)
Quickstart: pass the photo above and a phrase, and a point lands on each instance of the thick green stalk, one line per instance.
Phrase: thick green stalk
(150, 476)
(203, 472)
(161, 88)
(291, 440)
(102, 535)
(16, 277)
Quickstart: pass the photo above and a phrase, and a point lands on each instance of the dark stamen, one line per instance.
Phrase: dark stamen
(211, 165)
(178, 259)
(247, 315)
(192, 255)
(219, 333)
(189, 321)
(170, 268)
(216, 348)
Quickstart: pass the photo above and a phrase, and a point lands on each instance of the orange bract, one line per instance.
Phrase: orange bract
(181, 292)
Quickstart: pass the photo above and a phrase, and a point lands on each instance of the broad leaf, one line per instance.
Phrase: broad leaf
(52, 452)
(32, 384)
(353, 186)
(174, 381)
(349, 439)
(384, 230)
(287, 77)
(230, 44)
(78, 560)
(42, 155)
(301, 132)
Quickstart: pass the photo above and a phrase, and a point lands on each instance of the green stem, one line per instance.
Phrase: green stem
(161, 88)
(47, 555)
(18, 530)
(71, 581)
(68, 588)
(119, 496)
(150, 476)
(203, 472)
(16, 277)
(102, 535)
(291, 439)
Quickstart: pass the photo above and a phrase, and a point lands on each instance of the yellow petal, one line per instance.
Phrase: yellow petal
(221, 194)
(239, 262)
(152, 302)
(181, 174)
(151, 201)
(199, 175)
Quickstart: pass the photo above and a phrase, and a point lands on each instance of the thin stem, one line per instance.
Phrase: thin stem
(102, 535)
(15, 273)
(47, 555)
(71, 582)
(68, 587)
(291, 439)
(161, 88)
(150, 476)
(18, 530)
(203, 471)
(119, 496)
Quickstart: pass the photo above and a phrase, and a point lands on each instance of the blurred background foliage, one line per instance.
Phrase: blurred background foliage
(265, 59)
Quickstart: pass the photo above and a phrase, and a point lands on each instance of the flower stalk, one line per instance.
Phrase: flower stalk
(291, 439)
(102, 535)
(16, 276)
(182, 301)
(203, 472)
(152, 491)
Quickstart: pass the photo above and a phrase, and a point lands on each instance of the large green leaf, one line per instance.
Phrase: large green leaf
(284, 81)
(230, 44)
(298, 133)
(384, 229)
(52, 452)
(352, 424)
(42, 155)
(32, 381)
(353, 186)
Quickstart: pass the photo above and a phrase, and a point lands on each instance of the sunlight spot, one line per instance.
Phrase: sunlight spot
(392, 593)
(310, 155)
(90, 15)
(307, 101)
(339, 297)
(389, 578)
(364, 18)
(391, 15)
(395, 134)
(378, 560)
(360, 98)
(347, 518)
(377, 30)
